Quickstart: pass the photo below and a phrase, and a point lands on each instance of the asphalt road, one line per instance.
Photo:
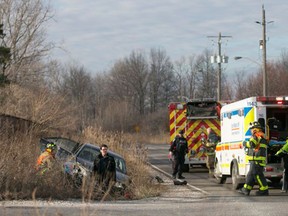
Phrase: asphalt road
(198, 176)
(202, 196)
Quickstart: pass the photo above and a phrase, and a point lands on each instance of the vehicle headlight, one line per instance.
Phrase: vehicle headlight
(119, 185)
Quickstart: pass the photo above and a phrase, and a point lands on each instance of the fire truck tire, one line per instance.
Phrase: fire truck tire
(220, 179)
(186, 168)
(236, 184)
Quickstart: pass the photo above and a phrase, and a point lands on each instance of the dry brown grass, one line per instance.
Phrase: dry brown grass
(37, 105)
(20, 149)
(19, 180)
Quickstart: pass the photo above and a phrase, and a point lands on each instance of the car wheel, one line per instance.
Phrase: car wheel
(78, 181)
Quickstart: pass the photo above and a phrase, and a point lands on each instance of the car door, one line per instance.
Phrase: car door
(86, 156)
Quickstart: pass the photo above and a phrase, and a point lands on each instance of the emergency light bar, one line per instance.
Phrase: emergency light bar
(203, 100)
(273, 100)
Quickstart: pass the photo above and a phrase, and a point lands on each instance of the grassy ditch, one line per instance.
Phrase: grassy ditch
(19, 180)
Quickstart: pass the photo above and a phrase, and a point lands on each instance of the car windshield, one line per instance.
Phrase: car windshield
(88, 153)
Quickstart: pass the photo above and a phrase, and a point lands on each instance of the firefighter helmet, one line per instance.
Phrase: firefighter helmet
(50, 147)
(255, 125)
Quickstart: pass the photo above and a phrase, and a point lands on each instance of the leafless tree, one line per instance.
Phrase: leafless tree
(131, 75)
(207, 76)
(191, 75)
(77, 86)
(277, 73)
(160, 72)
(240, 83)
(284, 59)
(181, 69)
(25, 34)
(228, 90)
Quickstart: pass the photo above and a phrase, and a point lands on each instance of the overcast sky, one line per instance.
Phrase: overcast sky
(96, 33)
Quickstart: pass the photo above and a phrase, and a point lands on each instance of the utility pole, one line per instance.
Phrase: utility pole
(219, 59)
(263, 46)
(265, 83)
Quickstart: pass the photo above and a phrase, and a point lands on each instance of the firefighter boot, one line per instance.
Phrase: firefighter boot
(244, 191)
(262, 193)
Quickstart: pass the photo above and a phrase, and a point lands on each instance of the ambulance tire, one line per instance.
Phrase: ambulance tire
(186, 168)
(236, 184)
(219, 179)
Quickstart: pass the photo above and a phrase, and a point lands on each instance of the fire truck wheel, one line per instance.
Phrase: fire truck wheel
(234, 174)
(186, 168)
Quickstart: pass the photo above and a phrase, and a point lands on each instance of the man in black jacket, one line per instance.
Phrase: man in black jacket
(178, 150)
(104, 168)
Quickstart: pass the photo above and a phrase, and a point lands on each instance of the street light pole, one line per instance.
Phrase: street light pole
(265, 84)
(219, 70)
(249, 59)
(263, 45)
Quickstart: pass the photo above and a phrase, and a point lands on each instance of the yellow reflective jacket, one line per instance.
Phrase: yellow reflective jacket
(257, 148)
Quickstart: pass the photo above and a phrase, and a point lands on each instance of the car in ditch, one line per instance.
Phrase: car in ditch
(78, 160)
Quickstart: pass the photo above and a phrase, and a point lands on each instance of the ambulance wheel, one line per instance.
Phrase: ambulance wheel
(220, 179)
(186, 168)
(234, 174)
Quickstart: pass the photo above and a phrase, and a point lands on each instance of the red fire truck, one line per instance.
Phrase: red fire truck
(194, 116)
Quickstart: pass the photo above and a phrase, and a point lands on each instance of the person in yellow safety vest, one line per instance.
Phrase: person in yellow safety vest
(44, 161)
(256, 149)
(212, 140)
(283, 153)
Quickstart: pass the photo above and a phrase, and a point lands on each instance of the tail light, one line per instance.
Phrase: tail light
(269, 169)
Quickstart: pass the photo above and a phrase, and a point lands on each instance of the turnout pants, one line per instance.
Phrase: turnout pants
(285, 173)
(255, 174)
(210, 161)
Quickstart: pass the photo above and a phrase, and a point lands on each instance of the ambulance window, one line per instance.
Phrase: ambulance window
(240, 112)
(229, 115)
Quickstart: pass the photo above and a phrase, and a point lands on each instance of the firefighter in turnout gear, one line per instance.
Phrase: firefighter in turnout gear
(256, 149)
(212, 140)
(178, 150)
(44, 161)
(283, 153)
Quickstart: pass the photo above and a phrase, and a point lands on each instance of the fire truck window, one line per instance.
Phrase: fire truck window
(200, 109)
